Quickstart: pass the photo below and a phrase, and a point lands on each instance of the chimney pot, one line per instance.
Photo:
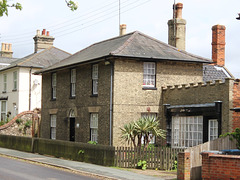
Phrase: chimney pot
(218, 45)
(44, 32)
(179, 8)
(123, 28)
(47, 33)
(38, 32)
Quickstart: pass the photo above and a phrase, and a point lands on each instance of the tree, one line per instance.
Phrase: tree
(5, 4)
(146, 127)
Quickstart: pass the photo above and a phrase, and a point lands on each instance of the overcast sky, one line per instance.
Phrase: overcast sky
(97, 20)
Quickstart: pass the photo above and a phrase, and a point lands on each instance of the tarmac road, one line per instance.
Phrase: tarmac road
(13, 169)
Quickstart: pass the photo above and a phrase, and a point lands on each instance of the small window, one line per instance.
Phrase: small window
(15, 80)
(3, 111)
(53, 127)
(212, 129)
(5, 82)
(149, 74)
(73, 82)
(54, 85)
(95, 79)
(94, 127)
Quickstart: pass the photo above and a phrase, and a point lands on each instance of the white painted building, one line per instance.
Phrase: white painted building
(20, 89)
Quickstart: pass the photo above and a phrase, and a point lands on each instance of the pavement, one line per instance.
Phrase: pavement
(86, 168)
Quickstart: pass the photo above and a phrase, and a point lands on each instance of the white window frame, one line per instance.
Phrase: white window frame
(94, 127)
(54, 85)
(4, 82)
(187, 131)
(3, 111)
(15, 80)
(149, 74)
(53, 125)
(73, 82)
(95, 79)
(212, 129)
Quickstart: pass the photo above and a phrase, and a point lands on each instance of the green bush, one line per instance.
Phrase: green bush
(142, 165)
(235, 135)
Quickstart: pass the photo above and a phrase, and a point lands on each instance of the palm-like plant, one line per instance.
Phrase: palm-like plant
(146, 127)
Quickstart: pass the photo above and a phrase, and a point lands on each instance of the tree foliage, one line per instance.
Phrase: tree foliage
(5, 4)
(146, 127)
(235, 135)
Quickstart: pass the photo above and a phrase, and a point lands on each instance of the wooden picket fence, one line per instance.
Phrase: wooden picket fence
(162, 158)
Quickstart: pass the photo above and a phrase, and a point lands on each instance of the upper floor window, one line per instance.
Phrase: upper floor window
(149, 74)
(73, 82)
(15, 80)
(94, 127)
(95, 79)
(53, 126)
(5, 82)
(54, 85)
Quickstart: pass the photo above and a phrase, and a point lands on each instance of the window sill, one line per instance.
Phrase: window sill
(94, 95)
(149, 88)
(4, 92)
(72, 97)
(14, 90)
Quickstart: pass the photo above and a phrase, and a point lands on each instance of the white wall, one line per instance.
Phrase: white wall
(20, 97)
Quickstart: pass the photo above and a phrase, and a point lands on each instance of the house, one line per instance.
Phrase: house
(200, 111)
(20, 89)
(90, 95)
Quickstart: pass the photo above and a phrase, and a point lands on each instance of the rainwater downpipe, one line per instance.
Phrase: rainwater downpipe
(30, 88)
(111, 104)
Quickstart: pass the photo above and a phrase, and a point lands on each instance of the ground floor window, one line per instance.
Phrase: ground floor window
(3, 111)
(94, 127)
(53, 127)
(187, 131)
(212, 129)
(154, 115)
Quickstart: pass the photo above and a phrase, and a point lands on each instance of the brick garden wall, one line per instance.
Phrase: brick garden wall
(224, 167)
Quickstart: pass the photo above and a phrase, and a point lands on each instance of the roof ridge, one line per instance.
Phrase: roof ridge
(35, 54)
(172, 47)
(126, 43)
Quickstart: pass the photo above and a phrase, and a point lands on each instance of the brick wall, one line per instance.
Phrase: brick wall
(236, 103)
(224, 167)
(218, 45)
(200, 93)
(183, 170)
(130, 100)
(83, 104)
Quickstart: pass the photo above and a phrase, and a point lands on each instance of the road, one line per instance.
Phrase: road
(13, 169)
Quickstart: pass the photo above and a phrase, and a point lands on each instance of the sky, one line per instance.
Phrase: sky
(97, 20)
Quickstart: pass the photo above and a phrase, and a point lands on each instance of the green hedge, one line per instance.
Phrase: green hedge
(96, 154)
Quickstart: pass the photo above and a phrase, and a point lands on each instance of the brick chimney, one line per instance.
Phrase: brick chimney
(177, 28)
(6, 50)
(218, 45)
(123, 28)
(42, 41)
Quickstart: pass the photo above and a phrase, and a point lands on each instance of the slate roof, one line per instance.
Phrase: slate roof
(214, 72)
(134, 45)
(43, 59)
